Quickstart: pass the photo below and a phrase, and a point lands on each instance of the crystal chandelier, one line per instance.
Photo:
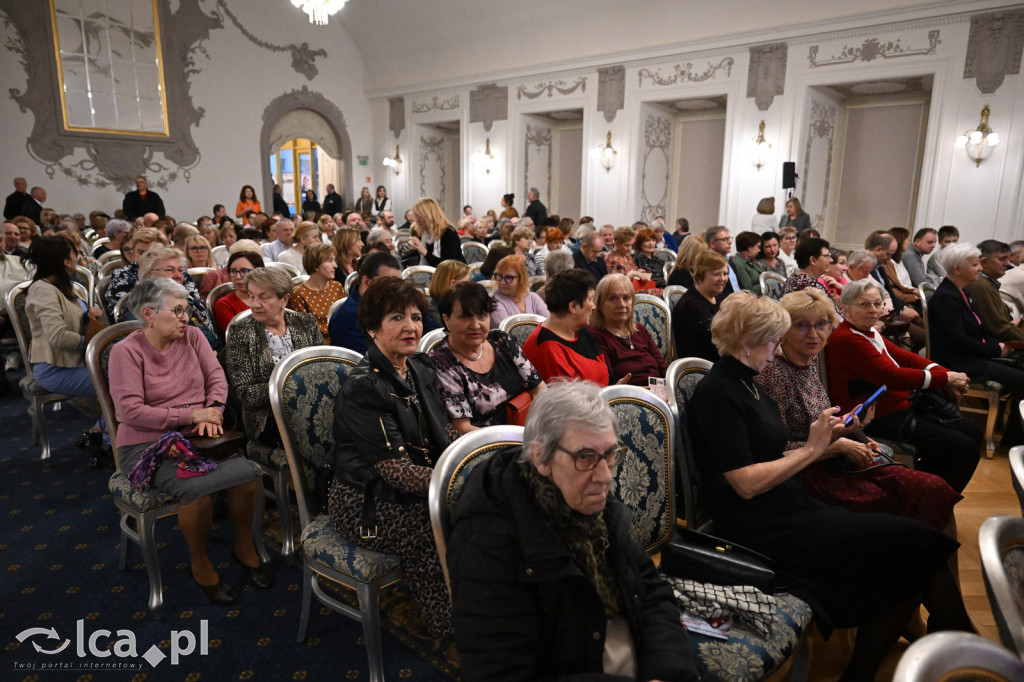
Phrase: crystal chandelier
(319, 10)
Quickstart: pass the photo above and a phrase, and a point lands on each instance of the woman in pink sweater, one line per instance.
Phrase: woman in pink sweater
(165, 378)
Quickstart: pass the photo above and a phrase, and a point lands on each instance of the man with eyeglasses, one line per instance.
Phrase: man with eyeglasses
(589, 256)
(720, 242)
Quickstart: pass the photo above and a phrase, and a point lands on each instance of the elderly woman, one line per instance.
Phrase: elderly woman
(495, 254)
(163, 261)
(859, 360)
(682, 271)
(260, 341)
(480, 370)
(552, 498)
(794, 382)
(522, 240)
(831, 557)
(306, 234)
(959, 340)
(440, 241)
(693, 312)
(812, 261)
(57, 319)
(554, 241)
(644, 246)
(124, 278)
(630, 351)
(240, 264)
(318, 293)
(390, 428)
(561, 346)
(620, 259)
(859, 265)
(556, 262)
(165, 378)
(513, 295)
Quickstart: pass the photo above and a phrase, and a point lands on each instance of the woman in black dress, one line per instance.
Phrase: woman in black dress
(869, 571)
(693, 312)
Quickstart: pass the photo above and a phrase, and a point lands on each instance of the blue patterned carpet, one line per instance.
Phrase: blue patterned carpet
(58, 566)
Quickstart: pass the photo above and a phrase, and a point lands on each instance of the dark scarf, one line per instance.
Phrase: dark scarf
(585, 535)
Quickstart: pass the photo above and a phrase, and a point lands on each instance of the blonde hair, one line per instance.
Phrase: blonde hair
(323, 222)
(429, 217)
(810, 303)
(303, 229)
(518, 265)
(605, 288)
(447, 271)
(202, 241)
(344, 243)
(275, 280)
(746, 321)
(689, 249)
(148, 260)
(149, 235)
(706, 262)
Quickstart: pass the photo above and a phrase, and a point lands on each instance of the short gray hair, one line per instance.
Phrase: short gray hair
(157, 253)
(535, 192)
(853, 290)
(151, 293)
(563, 404)
(376, 235)
(956, 255)
(860, 257)
(584, 231)
(275, 280)
(658, 225)
(118, 226)
(558, 261)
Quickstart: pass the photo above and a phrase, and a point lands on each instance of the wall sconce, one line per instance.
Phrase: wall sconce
(980, 141)
(395, 162)
(759, 148)
(485, 158)
(607, 155)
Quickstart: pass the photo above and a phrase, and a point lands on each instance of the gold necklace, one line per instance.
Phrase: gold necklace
(752, 390)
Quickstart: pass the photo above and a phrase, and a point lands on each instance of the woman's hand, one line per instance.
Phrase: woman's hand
(958, 381)
(94, 314)
(418, 245)
(820, 434)
(625, 379)
(210, 415)
(205, 428)
(1004, 350)
(861, 454)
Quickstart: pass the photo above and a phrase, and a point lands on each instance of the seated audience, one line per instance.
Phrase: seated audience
(390, 428)
(561, 346)
(935, 267)
(438, 241)
(682, 271)
(260, 341)
(830, 557)
(924, 243)
(812, 260)
(124, 278)
(162, 261)
(693, 312)
(551, 497)
(630, 351)
(318, 293)
(348, 244)
(553, 242)
(480, 369)
(643, 257)
(306, 234)
(794, 382)
(240, 264)
(57, 319)
(165, 378)
(588, 258)
(958, 339)
(769, 260)
(446, 275)
(522, 240)
(343, 327)
(512, 295)
(859, 360)
(556, 262)
(748, 272)
(984, 293)
(495, 254)
(280, 240)
(837, 269)
(619, 260)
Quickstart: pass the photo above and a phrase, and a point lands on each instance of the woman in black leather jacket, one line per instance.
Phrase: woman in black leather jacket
(390, 427)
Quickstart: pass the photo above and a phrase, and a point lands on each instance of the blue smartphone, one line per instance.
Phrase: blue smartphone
(866, 405)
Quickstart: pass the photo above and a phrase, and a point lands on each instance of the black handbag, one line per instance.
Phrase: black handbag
(935, 405)
(226, 445)
(707, 559)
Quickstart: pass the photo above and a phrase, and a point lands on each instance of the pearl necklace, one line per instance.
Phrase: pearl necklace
(479, 354)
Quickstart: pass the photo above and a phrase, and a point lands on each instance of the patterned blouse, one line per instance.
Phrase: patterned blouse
(479, 397)
(800, 281)
(799, 393)
(124, 279)
(618, 265)
(779, 268)
(317, 302)
(280, 346)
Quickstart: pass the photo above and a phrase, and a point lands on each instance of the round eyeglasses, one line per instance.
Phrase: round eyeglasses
(587, 459)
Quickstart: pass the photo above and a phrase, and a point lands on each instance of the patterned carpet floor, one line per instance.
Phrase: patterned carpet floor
(59, 583)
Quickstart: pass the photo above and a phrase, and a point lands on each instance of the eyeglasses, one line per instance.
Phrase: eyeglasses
(722, 239)
(802, 328)
(587, 459)
(239, 272)
(790, 238)
(507, 279)
(180, 311)
(169, 271)
(864, 305)
(197, 248)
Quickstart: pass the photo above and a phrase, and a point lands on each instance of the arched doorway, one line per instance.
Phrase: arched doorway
(305, 139)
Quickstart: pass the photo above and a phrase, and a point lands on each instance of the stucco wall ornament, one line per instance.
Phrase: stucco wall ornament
(551, 87)
(822, 127)
(655, 173)
(611, 90)
(432, 150)
(487, 104)
(396, 115)
(436, 103)
(540, 138)
(684, 73)
(994, 48)
(112, 159)
(303, 57)
(766, 76)
(872, 49)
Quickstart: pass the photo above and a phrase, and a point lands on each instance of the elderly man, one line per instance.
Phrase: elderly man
(12, 239)
(285, 230)
(589, 256)
(117, 233)
(720, 242)
(535, 211)
(142, 201)
(354, 220)
(16, 199)
(33, 206)
(984, 291)
(925, 240)
(333, 202)
(379, 235)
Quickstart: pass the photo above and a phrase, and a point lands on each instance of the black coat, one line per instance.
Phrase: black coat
(14, 203)
(537, 212)
(374, 421)
(281, 206)
(958, 340)
(134, 205)
(32, 209)
(598, 268)
(333, 203)
(523, 609)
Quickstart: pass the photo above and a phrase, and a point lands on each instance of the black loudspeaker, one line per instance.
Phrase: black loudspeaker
(789, 175)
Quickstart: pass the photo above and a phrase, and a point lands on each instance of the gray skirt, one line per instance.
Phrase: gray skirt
(229, 473)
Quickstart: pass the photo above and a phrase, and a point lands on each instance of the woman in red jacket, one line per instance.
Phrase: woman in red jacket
(859, 360)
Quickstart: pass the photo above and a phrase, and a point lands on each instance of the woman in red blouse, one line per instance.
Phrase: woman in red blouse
(859, 360)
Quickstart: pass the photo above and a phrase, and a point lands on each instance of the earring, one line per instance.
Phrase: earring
(748, 353)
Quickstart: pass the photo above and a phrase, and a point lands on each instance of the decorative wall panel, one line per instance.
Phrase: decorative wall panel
(436, 104)
(874, 48)
(816, 173)
(611, 90)
(487, 104)
(551, 87)
(766, 76)
(433, 168)
(303, 56)
(994, 48)
(537, 169)
(655, 170)
(686, 73)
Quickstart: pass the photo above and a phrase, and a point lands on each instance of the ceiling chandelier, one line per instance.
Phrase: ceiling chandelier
(319, 10)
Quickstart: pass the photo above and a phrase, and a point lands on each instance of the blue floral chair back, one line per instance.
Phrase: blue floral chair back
(419, 274)
(644, 479)
(520, 326)
(1001, 546)
(474, 252)
(654, 314)
(772, 284)
(451, 472)
(681, 379)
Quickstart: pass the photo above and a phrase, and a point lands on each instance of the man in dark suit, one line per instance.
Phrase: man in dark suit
(333, 202)
(142, 201)
(280, 205)
(33, 206)
(589, 256)
(536, 211)
(16, 199)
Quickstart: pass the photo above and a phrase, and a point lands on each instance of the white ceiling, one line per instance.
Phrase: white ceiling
(409, 45)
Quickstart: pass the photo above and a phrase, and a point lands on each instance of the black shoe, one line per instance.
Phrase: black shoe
(221, 593)
(259, 576)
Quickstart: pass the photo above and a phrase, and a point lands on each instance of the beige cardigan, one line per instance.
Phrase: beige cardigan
(56, 325)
